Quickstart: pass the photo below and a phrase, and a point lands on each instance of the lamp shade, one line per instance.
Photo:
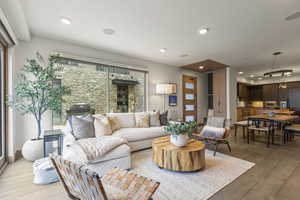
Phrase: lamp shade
(166, 88)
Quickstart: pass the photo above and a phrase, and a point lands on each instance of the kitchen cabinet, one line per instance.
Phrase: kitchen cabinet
(283, 94)
(255, 93)
(243, 92)
(270, 92)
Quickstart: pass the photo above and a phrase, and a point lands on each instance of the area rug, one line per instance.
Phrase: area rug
(220, 171)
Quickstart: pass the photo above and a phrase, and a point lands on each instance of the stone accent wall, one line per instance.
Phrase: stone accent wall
(92, 86)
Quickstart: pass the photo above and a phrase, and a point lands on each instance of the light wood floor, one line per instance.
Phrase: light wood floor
(276, 176)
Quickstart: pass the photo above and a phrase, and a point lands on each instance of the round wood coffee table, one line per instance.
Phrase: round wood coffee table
(184, 159)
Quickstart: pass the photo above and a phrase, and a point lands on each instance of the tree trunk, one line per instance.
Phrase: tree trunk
(39, 121)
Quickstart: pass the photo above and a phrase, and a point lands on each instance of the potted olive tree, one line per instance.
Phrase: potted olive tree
(180, 132)
(34, 94)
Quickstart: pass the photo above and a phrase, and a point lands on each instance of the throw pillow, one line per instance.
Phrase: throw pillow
(212, 132)
(114, 123)
(82, 126)
(142, 120)
(102, 126)
(164, 118)
(154, 118)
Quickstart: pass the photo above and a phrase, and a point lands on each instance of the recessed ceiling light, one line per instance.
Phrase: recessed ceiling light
(66, 20)
(251, 75)
(108, 31)
(184, 55)
(241, 73)
(259, 78)
(163, 50)
(201, 67)
(203, 31)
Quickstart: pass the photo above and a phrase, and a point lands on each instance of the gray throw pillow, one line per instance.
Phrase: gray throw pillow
(82, 126)
(163, 118)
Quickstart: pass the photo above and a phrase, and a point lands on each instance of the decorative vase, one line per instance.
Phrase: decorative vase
(33, 149)
(179, 140)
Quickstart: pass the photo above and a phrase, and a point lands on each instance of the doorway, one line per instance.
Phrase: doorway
(189, 98)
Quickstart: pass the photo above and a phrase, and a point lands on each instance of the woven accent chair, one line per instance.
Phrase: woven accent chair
(83, 184)
(217, 122)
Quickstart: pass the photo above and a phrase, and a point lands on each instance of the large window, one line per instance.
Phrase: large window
(99, 88)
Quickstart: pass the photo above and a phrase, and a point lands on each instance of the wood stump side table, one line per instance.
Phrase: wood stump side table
(183, 159)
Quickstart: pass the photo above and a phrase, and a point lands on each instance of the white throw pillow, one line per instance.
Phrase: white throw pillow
(126, 120)
(213, 132)
(102, 126)
(154, 118)
(142, 120)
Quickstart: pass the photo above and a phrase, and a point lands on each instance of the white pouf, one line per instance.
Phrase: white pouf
(33, 149)
(44, 172)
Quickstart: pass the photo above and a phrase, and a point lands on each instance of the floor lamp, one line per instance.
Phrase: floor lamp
(165, 89)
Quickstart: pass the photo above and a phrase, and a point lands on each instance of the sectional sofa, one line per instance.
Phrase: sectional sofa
(137, 138)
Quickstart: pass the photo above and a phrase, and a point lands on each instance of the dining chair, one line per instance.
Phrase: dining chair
(81, 183)
(260, 125)
(290, 131)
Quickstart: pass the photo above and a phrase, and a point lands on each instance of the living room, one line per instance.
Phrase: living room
(149, 77)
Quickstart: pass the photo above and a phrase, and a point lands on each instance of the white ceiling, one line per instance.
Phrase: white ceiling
(243, 34)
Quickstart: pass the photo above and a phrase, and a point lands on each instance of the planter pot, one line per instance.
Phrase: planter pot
(179, 140)
(33, 149)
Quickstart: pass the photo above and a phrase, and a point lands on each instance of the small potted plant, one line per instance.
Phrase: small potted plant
(180, 132)
(34, 94)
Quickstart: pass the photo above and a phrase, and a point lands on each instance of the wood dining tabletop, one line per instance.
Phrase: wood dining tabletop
(278, 118)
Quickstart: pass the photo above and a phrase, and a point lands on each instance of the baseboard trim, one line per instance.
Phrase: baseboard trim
(14, 158)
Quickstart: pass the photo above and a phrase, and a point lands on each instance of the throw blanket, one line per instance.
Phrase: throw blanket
(85, 151)
(213, 132)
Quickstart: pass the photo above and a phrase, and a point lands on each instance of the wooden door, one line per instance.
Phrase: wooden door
(189, 98)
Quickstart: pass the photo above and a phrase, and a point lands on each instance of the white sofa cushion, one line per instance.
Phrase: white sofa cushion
(102, 126)
(136, 134)
(127, 120)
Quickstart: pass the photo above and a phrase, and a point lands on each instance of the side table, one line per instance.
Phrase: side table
(52, 136)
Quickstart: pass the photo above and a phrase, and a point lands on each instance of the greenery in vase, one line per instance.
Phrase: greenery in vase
(177, 128)
(34, 92)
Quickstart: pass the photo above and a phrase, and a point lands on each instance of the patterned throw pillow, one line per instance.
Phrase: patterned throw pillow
(102, 126)
(82, 126)
(114, 123)
(164, 118)
(142, 120)
(154, 118)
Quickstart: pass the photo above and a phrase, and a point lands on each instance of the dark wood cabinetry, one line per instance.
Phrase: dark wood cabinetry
(242, 91)
(270, 92)
(255, 93)
(283, 94)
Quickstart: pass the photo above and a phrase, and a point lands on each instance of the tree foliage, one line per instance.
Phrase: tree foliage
(34, 92)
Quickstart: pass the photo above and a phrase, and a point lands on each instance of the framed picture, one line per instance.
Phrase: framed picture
(172, 100)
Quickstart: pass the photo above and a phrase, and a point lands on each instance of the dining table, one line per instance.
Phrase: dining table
(281, 119)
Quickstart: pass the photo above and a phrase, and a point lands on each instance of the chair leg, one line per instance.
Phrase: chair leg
(244, 133)
(248, 136)
(273, 133)
(228, 145)
(268, 142)
(235, 130)
(216, 149)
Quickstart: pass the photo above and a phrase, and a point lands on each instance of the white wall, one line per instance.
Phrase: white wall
(158, 73)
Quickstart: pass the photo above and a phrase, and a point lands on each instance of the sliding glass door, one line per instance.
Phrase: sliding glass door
(2, 108)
